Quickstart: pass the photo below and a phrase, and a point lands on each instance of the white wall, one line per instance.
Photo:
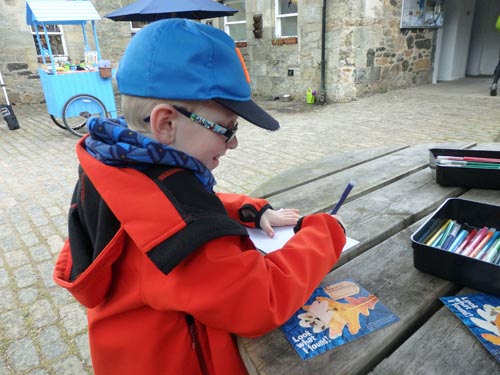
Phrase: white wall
(485, 39)
(457, 28)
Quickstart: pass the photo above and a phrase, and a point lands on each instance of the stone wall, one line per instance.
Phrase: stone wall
(387, 57)
(17, 63)
(365, 52)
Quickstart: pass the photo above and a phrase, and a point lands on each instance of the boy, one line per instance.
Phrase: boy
(162, 263)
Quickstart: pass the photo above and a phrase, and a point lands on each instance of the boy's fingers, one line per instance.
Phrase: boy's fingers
(270, 232)
(268, 229)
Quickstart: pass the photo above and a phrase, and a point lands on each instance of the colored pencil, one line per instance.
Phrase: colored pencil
(468, 164)
(438, 233)
(445, 234)
(488, 245)
(458, 240)
(466, 241)
(477, 249)
(469, 158)
(475, 241)
(434, 224)
(492, 252)
(451, 236)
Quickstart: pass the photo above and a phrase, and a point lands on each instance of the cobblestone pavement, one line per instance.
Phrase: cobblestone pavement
(43, 330)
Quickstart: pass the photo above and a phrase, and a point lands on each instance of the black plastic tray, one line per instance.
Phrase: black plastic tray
(466, 177)
(459, 269)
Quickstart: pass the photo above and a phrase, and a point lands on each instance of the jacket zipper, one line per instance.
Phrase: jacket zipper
(193, 332)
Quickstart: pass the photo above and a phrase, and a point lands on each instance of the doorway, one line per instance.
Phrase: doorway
(468, 44)
(484, 46)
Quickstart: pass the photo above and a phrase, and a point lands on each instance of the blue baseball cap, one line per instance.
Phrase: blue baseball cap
(179, 59)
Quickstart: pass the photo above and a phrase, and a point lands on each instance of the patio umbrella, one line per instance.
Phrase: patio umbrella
(153, 10)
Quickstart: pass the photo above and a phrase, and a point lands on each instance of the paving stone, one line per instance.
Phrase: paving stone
(51, 343)
(24, 276)
(6, 299)
(69, 365)
(14, 324)
(17, 258)
(41, 314)
(73, 318)
(22, 355)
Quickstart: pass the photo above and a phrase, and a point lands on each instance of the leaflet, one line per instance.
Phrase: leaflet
(335, 315)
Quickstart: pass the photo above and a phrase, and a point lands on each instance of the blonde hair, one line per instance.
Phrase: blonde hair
(135, 109)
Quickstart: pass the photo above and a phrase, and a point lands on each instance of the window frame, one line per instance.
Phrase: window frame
(227, 23)
(279, 16)
(60, 33)
(134, 30)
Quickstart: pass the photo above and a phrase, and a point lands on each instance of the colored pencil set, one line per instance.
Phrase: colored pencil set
(449, 235)
(468, 162)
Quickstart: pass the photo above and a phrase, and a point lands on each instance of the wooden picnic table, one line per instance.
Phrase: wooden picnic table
(395, 193)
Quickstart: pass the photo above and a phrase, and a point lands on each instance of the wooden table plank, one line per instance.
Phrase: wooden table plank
(317, 169)
(320, 195)
(382, 213)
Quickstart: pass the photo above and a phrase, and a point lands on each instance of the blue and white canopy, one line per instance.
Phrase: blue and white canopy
(60, 12)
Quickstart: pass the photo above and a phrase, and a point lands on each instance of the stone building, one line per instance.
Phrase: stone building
(343, 49)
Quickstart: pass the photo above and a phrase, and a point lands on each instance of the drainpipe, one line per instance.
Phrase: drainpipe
(322, 93)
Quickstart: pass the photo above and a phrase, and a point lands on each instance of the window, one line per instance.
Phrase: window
(56, 39)
(135, 26)
(286, 18)
(236, 25)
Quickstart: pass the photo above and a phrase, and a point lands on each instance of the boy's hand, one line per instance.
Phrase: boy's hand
(272, 218)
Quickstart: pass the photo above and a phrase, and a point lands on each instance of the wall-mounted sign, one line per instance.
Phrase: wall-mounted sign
(422, 14)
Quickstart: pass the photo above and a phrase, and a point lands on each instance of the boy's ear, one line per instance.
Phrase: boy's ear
(162, 124)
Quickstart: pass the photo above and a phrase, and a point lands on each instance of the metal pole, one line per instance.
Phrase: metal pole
(3, 88)
(323, 37)
(96, 41)
(322, 96)
(49, 48)
(85, 40)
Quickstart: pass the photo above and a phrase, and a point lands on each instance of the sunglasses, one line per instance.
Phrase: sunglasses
(229, 134)
(216, 128)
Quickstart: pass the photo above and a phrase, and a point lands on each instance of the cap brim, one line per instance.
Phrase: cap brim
(251, 112)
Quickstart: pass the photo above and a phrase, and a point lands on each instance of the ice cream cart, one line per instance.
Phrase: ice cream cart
(73, 91)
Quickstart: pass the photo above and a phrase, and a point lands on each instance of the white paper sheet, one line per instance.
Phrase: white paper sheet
(282, 235)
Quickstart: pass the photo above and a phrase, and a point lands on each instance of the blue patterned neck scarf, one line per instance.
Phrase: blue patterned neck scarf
(113, 143)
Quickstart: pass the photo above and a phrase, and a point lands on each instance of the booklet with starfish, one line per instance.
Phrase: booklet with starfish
(481, 314)
(334, 315)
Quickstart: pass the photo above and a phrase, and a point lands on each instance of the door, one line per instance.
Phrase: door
(457, 28)
(485, 39)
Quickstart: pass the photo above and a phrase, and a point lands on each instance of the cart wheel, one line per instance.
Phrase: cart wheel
(58, 122)
(78, 109)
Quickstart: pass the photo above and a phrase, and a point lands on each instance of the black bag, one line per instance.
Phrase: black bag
(9, 117)
(6, 109)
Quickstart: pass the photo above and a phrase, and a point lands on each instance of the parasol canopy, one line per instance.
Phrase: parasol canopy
(153, 10)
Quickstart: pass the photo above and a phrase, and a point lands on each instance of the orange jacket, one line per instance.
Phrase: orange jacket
(145, 318)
